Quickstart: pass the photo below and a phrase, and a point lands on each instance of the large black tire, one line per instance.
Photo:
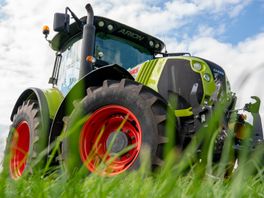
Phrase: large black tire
(26, 140)
(142, 103)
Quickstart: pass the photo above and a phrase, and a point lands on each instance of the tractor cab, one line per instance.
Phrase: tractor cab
(115, 43)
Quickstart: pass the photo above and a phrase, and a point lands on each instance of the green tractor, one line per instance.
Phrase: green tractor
(111, 89)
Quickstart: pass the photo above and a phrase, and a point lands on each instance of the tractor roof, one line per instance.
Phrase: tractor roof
(154, 45)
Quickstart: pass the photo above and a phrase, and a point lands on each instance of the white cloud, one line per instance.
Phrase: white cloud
(208, 31)
(230, 7)
(238, 8)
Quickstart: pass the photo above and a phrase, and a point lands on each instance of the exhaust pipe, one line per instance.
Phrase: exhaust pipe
(88, 43)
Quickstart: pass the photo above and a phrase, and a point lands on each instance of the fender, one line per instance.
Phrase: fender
(35, 94)
(39, 96)
(48, 100)
(92, 79)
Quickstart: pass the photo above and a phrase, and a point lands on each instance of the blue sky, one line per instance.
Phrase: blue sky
(228, 29)
(248, 23)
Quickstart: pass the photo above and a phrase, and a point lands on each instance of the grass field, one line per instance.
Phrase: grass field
(168, 182)
(184, 174)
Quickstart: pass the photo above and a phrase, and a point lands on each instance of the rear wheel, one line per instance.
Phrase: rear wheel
(118, 119)
(23, 142)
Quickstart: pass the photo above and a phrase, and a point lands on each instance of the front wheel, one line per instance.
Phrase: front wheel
(26, 140)
(108, 128)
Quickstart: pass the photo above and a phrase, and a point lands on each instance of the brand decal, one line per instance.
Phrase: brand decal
(131, 34)
(219, 71)
(134, 71)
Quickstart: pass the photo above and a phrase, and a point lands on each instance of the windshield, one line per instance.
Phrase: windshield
(113, 49)
(109, 49)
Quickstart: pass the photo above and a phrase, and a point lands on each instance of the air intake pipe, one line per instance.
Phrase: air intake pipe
(88, 43)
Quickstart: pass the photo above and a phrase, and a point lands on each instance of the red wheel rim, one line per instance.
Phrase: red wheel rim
(19, 149)
(95, 135)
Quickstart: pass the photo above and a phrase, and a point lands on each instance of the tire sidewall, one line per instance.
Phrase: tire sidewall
(24, 114)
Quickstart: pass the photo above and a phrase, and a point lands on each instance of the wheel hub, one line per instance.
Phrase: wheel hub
(116, 142)
(107, 132)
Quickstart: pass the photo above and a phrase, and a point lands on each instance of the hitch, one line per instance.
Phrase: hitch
(253, 108)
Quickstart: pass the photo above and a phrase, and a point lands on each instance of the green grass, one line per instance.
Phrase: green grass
(182, 175)
(167, 183)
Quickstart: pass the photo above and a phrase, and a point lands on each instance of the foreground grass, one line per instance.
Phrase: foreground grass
(131, 185)
(184, 174)
(167, 182)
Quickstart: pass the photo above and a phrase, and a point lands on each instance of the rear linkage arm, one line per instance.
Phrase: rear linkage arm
(257, 130)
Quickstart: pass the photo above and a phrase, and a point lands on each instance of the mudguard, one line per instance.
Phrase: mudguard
(37, 94)
(94, 78)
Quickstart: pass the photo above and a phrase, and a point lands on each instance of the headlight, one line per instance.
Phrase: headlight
(197, 66)
(207, 77)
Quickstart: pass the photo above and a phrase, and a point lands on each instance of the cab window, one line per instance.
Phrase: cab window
(109, 49)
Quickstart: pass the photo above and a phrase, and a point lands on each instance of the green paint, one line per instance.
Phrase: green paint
(183, 112)
(208, 86)
(155, 76)
(54, 98)
(150, 73)
(146, 72)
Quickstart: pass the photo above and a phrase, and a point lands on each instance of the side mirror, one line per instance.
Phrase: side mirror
(61, 22)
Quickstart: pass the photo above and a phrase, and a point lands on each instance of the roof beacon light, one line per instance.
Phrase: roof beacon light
(45, 30)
